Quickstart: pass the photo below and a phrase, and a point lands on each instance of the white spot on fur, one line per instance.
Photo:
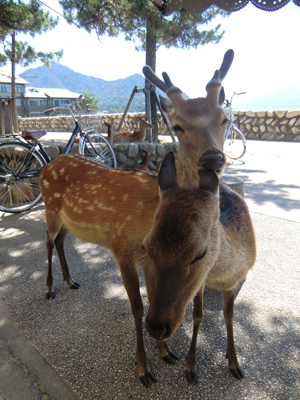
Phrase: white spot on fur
(54, 174)
(57, 195)
(125, 197)
(46, 183)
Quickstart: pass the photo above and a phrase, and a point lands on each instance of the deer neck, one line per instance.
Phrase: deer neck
(187, 174)
(142, 133)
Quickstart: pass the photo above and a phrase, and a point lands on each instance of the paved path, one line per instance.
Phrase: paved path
(81, 345)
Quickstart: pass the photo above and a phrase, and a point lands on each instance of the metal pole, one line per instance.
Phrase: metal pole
(148, 108)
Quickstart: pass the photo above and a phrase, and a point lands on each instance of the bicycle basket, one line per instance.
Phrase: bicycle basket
(87, 115)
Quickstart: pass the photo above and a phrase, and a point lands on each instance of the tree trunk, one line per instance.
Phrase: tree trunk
(13, 84)
(151, 61)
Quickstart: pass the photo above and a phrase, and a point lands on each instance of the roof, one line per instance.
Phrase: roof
(59, 93)
(7, 79)
(53, 93)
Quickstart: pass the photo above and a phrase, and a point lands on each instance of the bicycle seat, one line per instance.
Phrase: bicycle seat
(36, 134)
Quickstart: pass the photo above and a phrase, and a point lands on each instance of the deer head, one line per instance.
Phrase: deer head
(199, 123)
(182, 245)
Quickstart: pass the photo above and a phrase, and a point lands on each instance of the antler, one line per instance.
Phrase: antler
(173, 92)
(214, 86)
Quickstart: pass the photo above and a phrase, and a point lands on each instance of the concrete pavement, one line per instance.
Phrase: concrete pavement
(82, 344)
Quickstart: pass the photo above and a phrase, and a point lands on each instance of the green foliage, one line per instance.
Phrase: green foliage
(136, 18)
(18, 17)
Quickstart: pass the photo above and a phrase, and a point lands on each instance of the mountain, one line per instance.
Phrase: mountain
(112, 96)
(277, 99)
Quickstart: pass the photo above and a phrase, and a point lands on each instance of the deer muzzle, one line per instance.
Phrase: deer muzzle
(158, 332)
(212, 160)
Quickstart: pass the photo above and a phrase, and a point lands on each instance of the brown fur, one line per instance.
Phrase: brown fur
(133, 136)
(116, 208)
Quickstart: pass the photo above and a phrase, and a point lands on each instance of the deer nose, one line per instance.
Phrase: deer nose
(212, 159)
(158, 332)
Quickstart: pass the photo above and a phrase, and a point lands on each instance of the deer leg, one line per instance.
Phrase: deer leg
(130, 278)
(165, 352)
(49, 280)
(59, 245)
(190, 368)
(235, 369)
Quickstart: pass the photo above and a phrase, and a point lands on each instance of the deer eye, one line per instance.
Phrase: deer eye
(225, 121)
(177, 128)
(199, 257)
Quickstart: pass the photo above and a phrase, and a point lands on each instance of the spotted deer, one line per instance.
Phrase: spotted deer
(134, 136)
(123, 203)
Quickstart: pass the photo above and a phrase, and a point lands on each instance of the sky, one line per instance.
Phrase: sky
(266, 46)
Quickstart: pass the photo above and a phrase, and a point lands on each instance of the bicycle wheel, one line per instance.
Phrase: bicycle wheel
(235, 145)
(19, 165)
(96, 148)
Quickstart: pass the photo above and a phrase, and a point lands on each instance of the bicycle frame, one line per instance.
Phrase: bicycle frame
(229, 107)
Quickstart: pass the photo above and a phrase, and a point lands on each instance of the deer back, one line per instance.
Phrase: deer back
(98, 204)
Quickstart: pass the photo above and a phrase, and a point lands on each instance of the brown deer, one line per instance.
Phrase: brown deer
(134, 136)
(201, 236)
(72, 186)
(148, 156)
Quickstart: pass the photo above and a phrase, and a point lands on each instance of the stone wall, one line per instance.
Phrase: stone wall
(281, 125)
(269, 125)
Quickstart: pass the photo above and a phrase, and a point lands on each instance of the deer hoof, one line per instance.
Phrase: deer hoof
(237, 373)
(75, 285)
(170, 358)
(145, 379)
(50, 295)
(191, 376)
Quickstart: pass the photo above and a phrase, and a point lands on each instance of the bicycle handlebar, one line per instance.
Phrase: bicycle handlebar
(65, 107)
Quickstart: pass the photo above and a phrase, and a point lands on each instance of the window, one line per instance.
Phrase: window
(20, 103)
(20, 89)
(62, 102)
(5, 88)
(38, 103)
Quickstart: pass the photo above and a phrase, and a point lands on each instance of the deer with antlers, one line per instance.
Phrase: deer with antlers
(72, 186)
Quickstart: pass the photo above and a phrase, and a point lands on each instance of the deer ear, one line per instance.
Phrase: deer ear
(167, 174)
(221, 96)
(209, 181)
(166, 104)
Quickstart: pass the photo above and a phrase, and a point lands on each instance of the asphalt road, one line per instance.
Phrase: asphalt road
(87, 337)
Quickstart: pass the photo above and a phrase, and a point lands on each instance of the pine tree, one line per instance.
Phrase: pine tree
(17, 17)
(141, 22)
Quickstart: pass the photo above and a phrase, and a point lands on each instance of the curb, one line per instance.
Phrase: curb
(24, 374)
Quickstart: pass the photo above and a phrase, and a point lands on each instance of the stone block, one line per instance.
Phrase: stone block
(120, 147)
(284, 129)
(250, 113)
(262, 128)
(280, 113)
(121, 158)
(261, 113)
(293, 113)
(132, 150)
(295, 130)
(160, 150)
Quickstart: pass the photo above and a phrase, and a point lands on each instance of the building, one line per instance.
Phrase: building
(32, 102)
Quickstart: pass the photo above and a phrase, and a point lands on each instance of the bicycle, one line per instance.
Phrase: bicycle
(23, 156)
(235, 143)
